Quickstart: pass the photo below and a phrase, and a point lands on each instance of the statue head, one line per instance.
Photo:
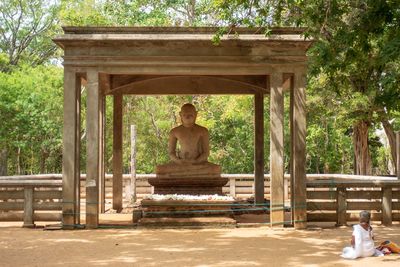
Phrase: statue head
(188, 115)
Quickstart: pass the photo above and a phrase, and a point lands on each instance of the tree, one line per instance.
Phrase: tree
(26, 28)
(31, 116)
(138, 13)
(354, 39)
(356, 49)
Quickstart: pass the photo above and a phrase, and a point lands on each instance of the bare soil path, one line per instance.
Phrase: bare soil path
(196, 247)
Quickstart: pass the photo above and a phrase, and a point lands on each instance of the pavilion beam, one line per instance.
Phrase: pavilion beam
(259, 148)
(70, 164)
(298, 142)
(117, 153)
(276, 150)
(93, 149)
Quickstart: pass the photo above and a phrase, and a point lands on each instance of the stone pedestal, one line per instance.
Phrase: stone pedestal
(188, 185)
(185, 208)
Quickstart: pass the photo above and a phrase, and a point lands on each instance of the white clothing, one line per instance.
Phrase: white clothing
(363, 244)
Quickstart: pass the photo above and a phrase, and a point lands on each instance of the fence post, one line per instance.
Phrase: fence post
(341, 206)
(133, 164)
(28, 207)
(387, 205)
(285, 189)
(232, 186)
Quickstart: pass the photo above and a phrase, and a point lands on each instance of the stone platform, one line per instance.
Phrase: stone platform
(188, 185)
(195, 222)
(200, 211)
(185, 213)
(185, 208)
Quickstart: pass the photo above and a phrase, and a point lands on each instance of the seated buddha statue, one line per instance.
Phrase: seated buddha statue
(188, 149)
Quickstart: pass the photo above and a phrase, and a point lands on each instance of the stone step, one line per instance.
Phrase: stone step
(185, 208)
(187, 213)
(192, 222)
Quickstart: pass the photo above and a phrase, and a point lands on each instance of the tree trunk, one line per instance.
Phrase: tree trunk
(3, 162)
(392, 140)
(317, 165)
(362, 158)
(191, 12)
(19, 161)
(43, 158)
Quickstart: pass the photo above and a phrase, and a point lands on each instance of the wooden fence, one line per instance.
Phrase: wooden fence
(30, 199)
(340, 201)
(330, 198)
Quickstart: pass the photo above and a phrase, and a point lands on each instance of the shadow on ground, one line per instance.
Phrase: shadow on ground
(207, 247)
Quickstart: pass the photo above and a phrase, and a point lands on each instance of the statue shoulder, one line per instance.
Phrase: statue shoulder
(201, 129)
(176, 129)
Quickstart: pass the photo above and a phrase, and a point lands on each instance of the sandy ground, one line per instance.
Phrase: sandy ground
(260, 246)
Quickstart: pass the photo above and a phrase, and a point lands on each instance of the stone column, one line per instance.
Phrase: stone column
(93, 149)
(117, 153)
(276, 150)
(71, 141)
(102, 174)
(104, 86)
(259, 148)
(299, 190)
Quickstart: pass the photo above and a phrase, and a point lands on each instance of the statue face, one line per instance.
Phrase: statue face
(188, 116)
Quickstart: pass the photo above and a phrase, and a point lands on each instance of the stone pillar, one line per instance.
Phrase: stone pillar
(28, 207)
(93, 149)
(71, 145)
(276, 150)
(102, 174)
(387, 205)
(299, 190)
(117, 153)
(259, 148)
(104, 86)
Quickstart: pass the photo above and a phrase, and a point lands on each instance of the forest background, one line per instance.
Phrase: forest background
(353, 91)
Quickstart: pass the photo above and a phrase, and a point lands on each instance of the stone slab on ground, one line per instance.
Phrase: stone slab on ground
(185, 208)
(222, 222)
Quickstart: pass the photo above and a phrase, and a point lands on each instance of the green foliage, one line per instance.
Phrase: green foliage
(354, 59)
(31, 116)
(26, 28)
(353, 75)
(137, 13)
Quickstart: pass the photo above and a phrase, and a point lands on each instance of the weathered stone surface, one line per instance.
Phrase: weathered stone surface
(186, 208)
(188, 222)
(188, 185)
(174, 170)
(188, 172)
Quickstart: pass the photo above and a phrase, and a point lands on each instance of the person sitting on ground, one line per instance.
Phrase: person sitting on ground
(362, 240)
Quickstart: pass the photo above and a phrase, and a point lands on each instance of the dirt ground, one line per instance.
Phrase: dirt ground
(261, 246)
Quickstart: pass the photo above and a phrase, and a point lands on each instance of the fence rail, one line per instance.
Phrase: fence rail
(330, 197)
(340, 201)
(30, 199)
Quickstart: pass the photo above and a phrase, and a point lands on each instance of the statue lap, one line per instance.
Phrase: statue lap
(175, 170)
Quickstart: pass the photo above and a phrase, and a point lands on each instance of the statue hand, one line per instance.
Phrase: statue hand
(187, 161)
